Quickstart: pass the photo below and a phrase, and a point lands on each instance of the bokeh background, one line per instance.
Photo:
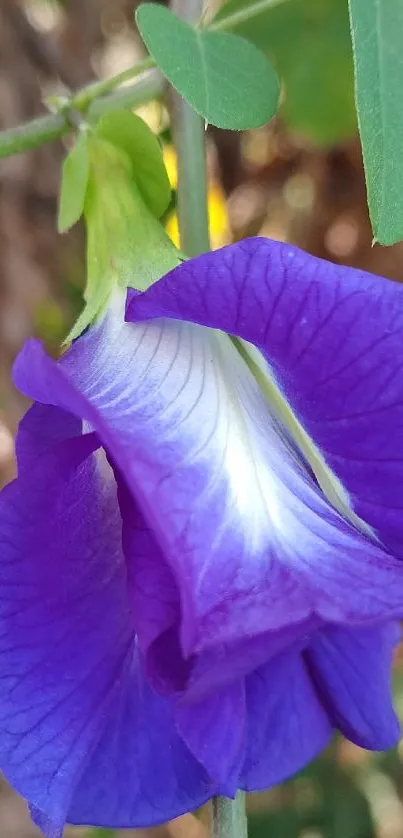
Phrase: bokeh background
(300, 179)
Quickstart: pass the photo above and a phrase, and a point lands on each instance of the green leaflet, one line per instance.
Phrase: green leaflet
(130, 133)
(73, 185)
(377, 33)
(224, 78)
(310, 46)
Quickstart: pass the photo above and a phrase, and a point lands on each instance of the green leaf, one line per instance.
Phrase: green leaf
(74, 180)
(309, 43)
(223, 77)
(377, 32)
(132, 135)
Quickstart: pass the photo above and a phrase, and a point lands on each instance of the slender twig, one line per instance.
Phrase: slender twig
(189, 140)
(150, 86)
(44, 129)
(84, 97)
(33, 134)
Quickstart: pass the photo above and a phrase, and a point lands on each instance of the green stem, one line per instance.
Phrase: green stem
(44, 129)
(84, 97)
(189, 139)
(243, 15)
(229, 817)
(33, 134)
(150, 86)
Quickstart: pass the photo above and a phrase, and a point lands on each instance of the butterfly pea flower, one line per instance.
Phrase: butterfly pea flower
(201, 570)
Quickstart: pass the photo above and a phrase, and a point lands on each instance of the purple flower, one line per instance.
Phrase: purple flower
(200, 558)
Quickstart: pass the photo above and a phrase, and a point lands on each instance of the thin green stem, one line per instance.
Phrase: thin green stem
(243, 15)
(150, 86)
(44, 129)
(33, 134)
(189, 139)
(84, 97)
(229, 817)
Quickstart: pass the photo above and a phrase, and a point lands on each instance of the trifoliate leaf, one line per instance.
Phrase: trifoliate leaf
(223, 77)
(130, 133)
(73, 186)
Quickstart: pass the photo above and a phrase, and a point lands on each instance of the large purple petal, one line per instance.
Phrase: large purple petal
(65, 630)
(251, 543)
(352, 670)
(163, 411)
(333, 337)
(76, 715)
(287, 725)
(141, 773)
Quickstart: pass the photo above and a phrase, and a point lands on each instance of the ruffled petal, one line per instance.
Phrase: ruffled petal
(43, 427)
(225, 663)
(65, 630)
(287, 724)
(159, 398)
(214, 730)
(154, 597)
(331, 335)
(352, 670)
(141, 772)
(252, 544)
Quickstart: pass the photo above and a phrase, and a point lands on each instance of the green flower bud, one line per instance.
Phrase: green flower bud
(120, 188)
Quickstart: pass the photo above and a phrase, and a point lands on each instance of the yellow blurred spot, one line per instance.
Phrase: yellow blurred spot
(170, 165)
(217, 210)
(217, 207)
(172, 228)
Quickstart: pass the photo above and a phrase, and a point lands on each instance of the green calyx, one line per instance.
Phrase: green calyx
(121, 188)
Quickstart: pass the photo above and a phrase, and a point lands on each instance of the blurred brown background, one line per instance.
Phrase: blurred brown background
(299, 179)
